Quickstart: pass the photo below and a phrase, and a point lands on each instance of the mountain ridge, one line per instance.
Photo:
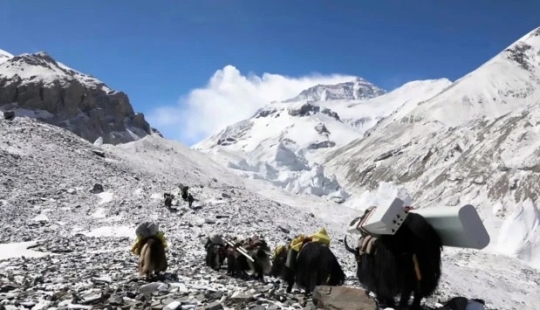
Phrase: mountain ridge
(357, 89)
(38, 86)
(82, 239)
(475, 142)
(284, 142)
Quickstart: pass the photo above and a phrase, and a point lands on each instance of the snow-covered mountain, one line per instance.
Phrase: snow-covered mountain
(358, 89)
(476, 142)
(285, 142)
(36, 85)
(4, 56)
(76, 243)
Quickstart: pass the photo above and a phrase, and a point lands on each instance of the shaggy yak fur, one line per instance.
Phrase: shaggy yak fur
(215, 255)
(238, 265)
(390, 270)
(315, 265)
(152, 257)
(168, 199)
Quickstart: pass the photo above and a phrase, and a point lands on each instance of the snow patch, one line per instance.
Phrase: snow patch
(109, 231)
(19, 249)
(286, 143)
(4, 56)
(42, 67)
(157, 196)
(384, 195)
(105, 197)
(41, 218)
(100, 213)
(20, 112)
(518, 236)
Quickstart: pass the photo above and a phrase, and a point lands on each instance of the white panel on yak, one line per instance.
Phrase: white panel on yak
(458, 226)
(381, 220)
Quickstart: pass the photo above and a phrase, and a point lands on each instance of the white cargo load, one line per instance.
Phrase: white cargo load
(381, 220)
(459, 227)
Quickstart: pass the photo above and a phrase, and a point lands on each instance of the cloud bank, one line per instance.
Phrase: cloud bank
(229, 97)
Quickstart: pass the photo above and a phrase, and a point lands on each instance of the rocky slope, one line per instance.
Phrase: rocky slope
(285, 142)
(475, 142)
(36, 85)
(79, 240)
(90, 234)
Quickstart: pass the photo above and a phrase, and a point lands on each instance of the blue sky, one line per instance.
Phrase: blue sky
(158, 51)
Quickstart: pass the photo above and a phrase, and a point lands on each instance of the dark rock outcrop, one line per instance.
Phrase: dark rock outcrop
(36, 85)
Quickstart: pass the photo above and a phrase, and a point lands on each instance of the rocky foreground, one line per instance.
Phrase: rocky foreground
(48, 196)
(80, 234)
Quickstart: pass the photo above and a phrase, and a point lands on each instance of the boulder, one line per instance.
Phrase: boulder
(342, 298)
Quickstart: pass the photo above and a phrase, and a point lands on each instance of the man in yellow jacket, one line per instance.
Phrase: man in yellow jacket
(320, 236)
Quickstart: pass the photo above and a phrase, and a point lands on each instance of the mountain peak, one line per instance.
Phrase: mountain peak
(507, 82)
(31, 67)
(357, 89)
(36, 85)
(4, 56)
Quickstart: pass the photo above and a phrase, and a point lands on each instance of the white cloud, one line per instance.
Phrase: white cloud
(229, 97)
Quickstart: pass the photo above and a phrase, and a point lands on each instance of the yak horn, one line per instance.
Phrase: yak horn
(347, 246)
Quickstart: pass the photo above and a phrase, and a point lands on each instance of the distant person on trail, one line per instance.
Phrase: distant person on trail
(186, 196)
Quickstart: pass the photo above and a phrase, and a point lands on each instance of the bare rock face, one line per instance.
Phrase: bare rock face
(36, 85)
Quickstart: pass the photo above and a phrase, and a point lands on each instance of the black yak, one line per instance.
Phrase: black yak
(168, 199)
(401, 264)
(315, 265)
(186, 196)
(239, 266)
(152, 257)
(216, 252)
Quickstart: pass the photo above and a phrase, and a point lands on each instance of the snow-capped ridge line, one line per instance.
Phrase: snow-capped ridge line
(50, 70)
(38, 86)
(474, 142)
(4, 56)
(357, 89)
(504, 83)
(285, 143)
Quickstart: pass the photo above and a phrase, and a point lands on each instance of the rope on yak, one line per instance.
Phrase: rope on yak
(320, 236)
(368, 244)
(417, 268)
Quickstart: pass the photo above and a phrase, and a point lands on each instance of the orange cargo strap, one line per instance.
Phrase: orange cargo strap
(417, 268)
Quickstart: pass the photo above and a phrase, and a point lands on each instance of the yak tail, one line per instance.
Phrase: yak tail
(153, 256)
(428, 252)
(337, 276)
(144, 260)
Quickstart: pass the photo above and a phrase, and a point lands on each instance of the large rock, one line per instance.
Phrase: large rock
(36, 85)
(342, 298)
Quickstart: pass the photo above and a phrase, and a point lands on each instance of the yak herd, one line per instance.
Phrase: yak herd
(404, 264)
